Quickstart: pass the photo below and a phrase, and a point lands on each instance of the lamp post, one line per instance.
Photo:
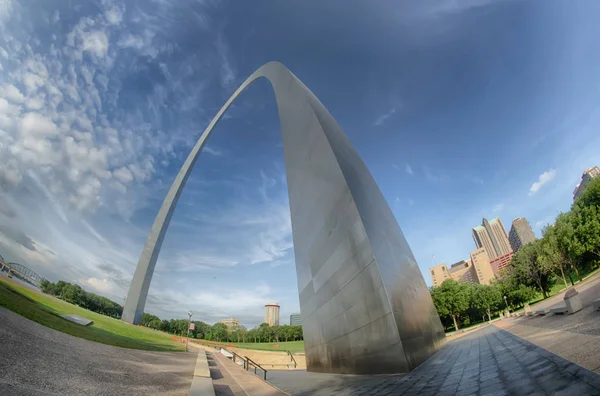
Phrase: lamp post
(506, 302)
(187, 339)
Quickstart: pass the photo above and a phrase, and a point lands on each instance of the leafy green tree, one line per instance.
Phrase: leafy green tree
(550, 255)
(72, 293)
(526, 268)
(587, 230)
(486, 298)
(451, 299)
(590, 196)
(568, 243)
(219, 332)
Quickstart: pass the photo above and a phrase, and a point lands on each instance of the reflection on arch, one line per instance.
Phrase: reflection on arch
(365, 306)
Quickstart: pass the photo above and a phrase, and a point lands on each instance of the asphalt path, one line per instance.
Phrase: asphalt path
(36, 360)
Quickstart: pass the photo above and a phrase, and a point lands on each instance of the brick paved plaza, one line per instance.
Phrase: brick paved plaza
(490, 361)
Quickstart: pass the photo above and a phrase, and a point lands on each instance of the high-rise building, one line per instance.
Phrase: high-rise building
(295, 319)
(520, 233)
(483, 268)
(587, 176)
(231, 323)
(491, 235)
(272, 314)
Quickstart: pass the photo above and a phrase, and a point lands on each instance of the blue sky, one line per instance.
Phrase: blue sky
(460, 109)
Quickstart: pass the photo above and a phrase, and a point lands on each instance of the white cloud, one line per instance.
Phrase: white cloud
(5, 10)
(36, 125)
(131, 41)
(95, 42)
(212, 151)
(12, 93)
(498, 208)
(124, 175)
(409, 169)
(32, 81)
(113, 15)
(543, 179)
(101, 285)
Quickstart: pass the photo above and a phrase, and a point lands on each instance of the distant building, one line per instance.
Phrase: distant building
(476, 269)
(439, 274)
(587, 176)
(520, 233)
(483, 268)
(295, 319)
(491, 235)
(463, 271)
(272, 314)
(500, 262)
(231, 323)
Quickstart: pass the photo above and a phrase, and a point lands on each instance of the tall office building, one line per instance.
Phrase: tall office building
(491, 235)
(295, 319)
(587, 176)
(272, 314)
(520, 233)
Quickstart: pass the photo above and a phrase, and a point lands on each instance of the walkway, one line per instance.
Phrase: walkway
(490, 361)
(36, 360)
(574, 337)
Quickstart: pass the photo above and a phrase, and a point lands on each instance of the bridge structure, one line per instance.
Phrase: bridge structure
(21, 271)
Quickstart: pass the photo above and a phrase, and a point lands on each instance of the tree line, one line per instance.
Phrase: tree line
(219, 332)
(567, 250)
(75, 294)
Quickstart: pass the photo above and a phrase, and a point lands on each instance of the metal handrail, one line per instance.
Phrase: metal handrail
(245, 362)
(292, 356)
(256, 365)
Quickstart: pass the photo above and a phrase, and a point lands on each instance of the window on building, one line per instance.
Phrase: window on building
(432, 272)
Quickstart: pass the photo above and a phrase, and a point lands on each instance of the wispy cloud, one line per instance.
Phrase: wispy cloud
(212, 151)
(543, 179)
(227, 70)
(408, 169)
(384, 118)
(498, 208)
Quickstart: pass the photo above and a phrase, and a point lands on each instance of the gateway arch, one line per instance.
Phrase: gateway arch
(365, 306)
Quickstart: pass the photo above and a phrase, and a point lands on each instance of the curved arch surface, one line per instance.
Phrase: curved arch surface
(365, 306)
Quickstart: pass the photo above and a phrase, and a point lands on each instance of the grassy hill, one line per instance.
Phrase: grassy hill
(45, 309)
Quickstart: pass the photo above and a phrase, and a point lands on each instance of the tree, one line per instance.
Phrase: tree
(219, 332)
(451, 299)
(586, 222)
(590, 196)
(486, 298)
(567, 241)
(526, 268)
(72, 293)
(550, 254)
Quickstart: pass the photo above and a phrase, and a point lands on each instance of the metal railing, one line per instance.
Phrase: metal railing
(235, 355)
(256, 365)
(292, 358)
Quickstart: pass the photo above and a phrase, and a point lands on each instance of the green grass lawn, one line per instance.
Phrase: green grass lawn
(44, 309)
(292, 346)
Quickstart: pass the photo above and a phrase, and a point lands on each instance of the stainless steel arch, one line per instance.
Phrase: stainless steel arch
(365, 306)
